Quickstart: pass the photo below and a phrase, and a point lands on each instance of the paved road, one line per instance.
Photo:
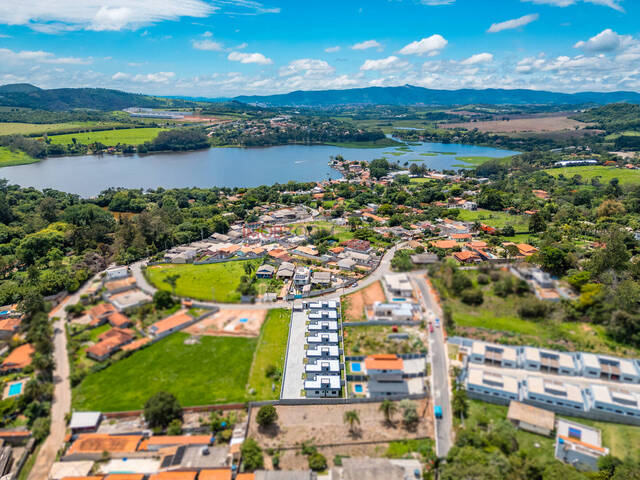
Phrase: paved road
(440, 386)
(61, 404)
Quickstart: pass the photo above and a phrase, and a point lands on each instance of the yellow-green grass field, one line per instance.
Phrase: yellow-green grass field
(494, 219)
(271, 350)
(11, 128)
(131, 136)
(217, 281)
(9, 158)
(625, 175)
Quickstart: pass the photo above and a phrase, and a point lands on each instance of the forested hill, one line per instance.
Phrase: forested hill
(60, 99)
(410, 95)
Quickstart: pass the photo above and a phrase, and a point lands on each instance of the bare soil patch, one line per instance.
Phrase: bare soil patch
(324, 425)
(357, 302)
(237, 323)
(295, 460)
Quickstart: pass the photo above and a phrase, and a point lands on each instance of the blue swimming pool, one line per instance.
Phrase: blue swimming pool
(399, 299)
(15, 389)
(358, 388)
(244, 320)
(355, 367)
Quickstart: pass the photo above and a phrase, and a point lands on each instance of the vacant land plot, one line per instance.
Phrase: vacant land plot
(12, 128)
(494, 219)
(131, 136)
(14, 157)
(605, 174)
(354, 304)
(324, 424)
(535, 124)
(217, 281)
(375, 339)
(212, 370)
(237, 323)
(270, 353)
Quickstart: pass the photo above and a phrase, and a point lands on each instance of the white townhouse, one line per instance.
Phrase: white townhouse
(323, 326)
(609, 368)
(322, 352)
(543, 391)
(322, 367)
(317, 315)
(502, 387)
(393, 311)
(549, 361)
(324, 338)
(323, 386)
(492, 354)
(617, 401)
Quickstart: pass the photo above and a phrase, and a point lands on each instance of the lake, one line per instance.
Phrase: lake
(88, 175)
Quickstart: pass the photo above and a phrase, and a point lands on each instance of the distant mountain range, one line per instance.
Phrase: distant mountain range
(410, 95)
(60, 99)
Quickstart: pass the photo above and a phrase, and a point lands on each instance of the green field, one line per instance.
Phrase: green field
(383, 142)
(11, 128)
(625, 175)
(9, 158)
(621, 439)
(214, 370)
(271, 350)
(217, 281)
(131, 136)
(495, 219)
(629, 133)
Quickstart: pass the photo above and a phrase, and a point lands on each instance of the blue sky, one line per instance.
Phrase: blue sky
(230, 47)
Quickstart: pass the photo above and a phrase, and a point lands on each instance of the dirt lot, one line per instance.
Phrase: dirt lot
(536, 124)
(356, 302)
(324, 425)
(239, 323)
(294, 460)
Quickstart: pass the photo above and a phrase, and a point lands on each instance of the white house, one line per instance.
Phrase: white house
(302, 276)
(114, 273)
(322, 352)
(323, 386)
(398, 284)
(578, 445)
(317, 315)
(323, 305)
(492, 354)
(549, 361)
(542, 391)
(615, 400)
(323, 326)
(322, 367)
(324, 338)
(393, 311)
(610, 368)
(502, 387)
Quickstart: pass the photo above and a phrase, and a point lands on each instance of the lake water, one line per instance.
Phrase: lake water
(223, 167)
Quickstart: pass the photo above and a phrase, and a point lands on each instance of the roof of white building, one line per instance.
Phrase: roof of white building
(317, 350)
(590, 360)
(588, 435)
(398, 281)
(333, 365)
(323, 314)
(554, 388)
(330, 337)
(400, 308)
(495, 381)
(323, 381)
(508, 353)
(534, 354)
(616, 396)
(323, 325)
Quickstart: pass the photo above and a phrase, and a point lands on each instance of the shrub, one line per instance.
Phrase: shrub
(317, 462)
(267, 416)
(175, 427)
(161, 409)
(483, 279)
(472, 296)
(533, 308)
(252, 457)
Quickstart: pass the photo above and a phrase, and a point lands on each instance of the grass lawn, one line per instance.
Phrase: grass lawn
(471, 161)
(625, 175)
(271, 350)
(202, 281)
(494, 219)
(621, 439)
(371, 340)
(11, 128)
(9, 158)
(214, 370)
(131, 136)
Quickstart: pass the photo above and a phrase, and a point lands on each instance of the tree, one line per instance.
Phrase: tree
(388, 409)
(537, 223)
(459, 403)
(554, 260)
(249, 268)
(267, 416)
(351, 418)
(172, 281)
(163, 300)
(175, 427)
(161, 409)
(252, 458)
(409, 413)
(317, 462)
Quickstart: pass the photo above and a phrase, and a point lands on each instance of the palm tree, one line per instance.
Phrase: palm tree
(351, 418)
(388, 408)
(172, 281)
(249, 267)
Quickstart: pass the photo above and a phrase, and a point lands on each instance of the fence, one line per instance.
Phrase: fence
(404, 356)
(372, 323)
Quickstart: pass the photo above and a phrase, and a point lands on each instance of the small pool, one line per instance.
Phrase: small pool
(355, 367)
(399, 299)
(244, 320)
(358, 388)
(15, 389)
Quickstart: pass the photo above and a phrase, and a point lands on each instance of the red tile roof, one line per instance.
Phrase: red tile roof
(19, 358)
(383, 362)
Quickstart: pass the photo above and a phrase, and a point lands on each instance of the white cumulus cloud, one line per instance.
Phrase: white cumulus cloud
(605, 41)
(249, 58)
(308, 66)
(38, 56)
(430, 46)
(615, 4)
(332, 49)
(478, 58)
(366, 45)
(514, 23)
(389, 63)
(207, 44)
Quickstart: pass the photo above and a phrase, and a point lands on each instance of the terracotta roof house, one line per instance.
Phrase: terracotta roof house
(173, 323)
(445, 244)
(100, 313)
(161, 441)
(383, 362)
(217, 474)
(119, 320)
(9, 326)
(355, 244)
(18, 359)
(466, 256)
(526, 249)
(461, 236)
(174, 476)
(110, 342)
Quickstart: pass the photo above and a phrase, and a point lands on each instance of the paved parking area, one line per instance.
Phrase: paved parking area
(294, 365)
